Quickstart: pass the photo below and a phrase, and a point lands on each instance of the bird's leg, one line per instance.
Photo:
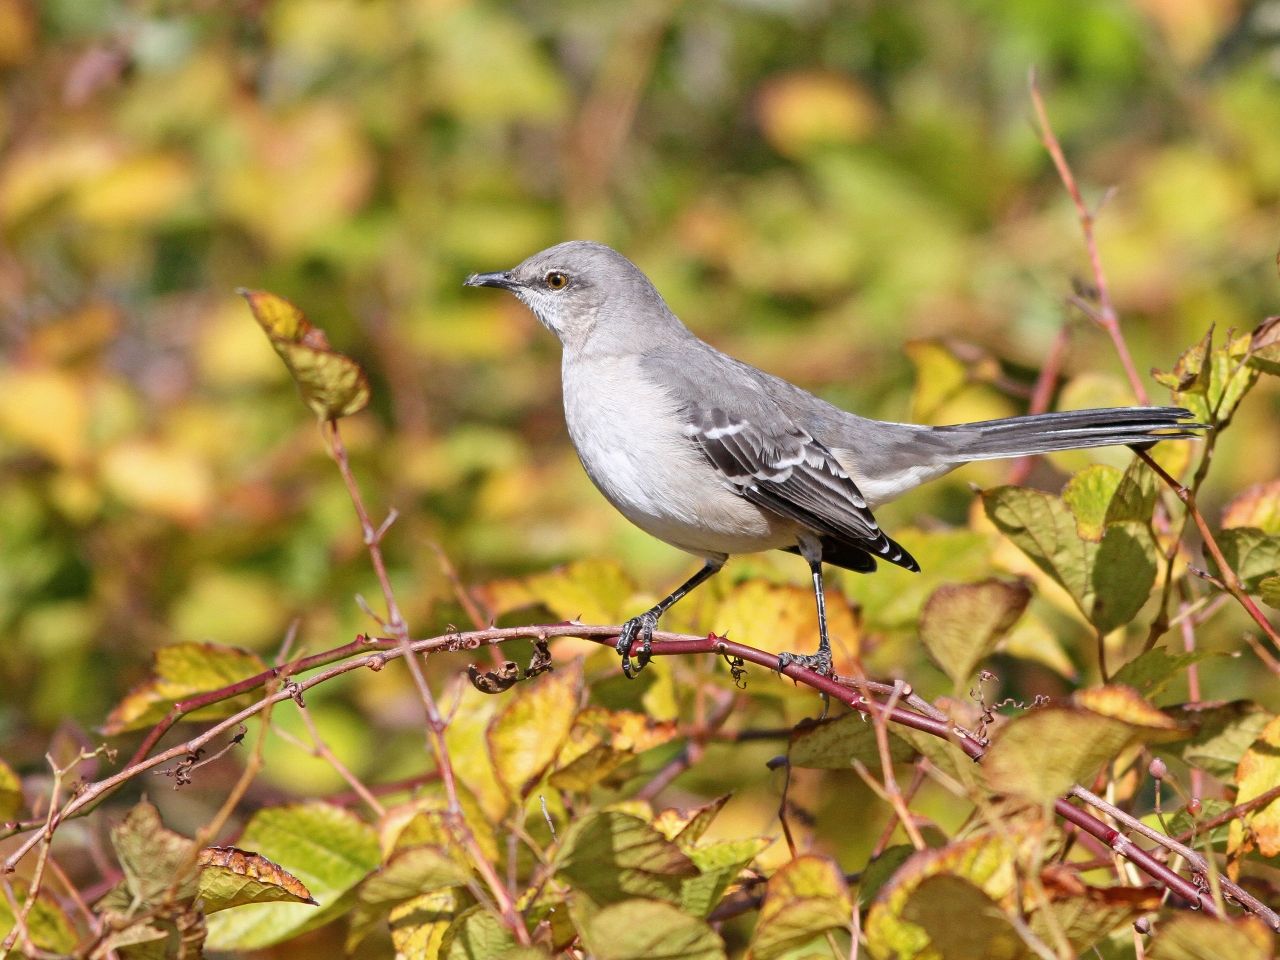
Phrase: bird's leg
(819, 662)
(644, 625)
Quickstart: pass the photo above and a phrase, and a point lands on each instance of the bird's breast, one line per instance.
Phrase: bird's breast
(628, 432)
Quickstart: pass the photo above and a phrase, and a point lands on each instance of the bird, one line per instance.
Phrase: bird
(716, 457)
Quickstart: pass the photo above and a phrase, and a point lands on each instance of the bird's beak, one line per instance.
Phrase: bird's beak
(502, 279)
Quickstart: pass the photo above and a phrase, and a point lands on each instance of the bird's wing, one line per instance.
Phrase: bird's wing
(779, 466)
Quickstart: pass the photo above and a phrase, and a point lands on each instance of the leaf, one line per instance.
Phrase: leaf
(158, 478)
(1264, 347)
(1221, 736)
(836, 744)
(961, 921)
(327, 848)
(880, 870)
(1041, 754)
(1193, 936)
(803, 899)
(412, 871)
(46, 410)
(10, 793)
(984, 861)
(476, 934)
(601, 741)
(1258, 507)
(418, 926)
(649, 930)
(614, 856)
(1109, 580)
(962, 623)
(1150, 672)
(183, 670)
(593, 591)
(230, 877)
(1086, 919)
(1191, 372)
(47, 924)
(1252, 554)
(1135, 497)
(156, 862)
(1269, 591)
(1088, 495)
(782, 617)
(532, 726)
(685, 828)
(718, 866)
(333, 385)
(1124, 571)
(1258, 772)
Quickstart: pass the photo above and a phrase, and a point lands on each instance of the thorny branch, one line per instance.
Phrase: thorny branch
(382, 650)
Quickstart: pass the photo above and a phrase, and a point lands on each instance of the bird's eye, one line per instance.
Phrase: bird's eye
(556, 280)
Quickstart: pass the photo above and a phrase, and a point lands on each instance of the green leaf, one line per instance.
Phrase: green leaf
(10, 793)
(685, 828)
(1088, 495)
(1045, 530)
(1041, 754)
(836, 744)
(803, 900)
(1264, 347)
(1150, 672)
(1135, 497)
(327, 848)
(1193, 936)
(881, 869)
(1252, 554)
(527, 734)
(413, 871)
(718, 866)
(613, 856)
(962, 921)
(1221, 736)
(47, 924)
(476, 934)
(159, 865)
(230, 877)
(985, 861)
(183, 670)
(1191, 372)
(333, 385)
(1124, 571)
(962, 623)
(649, 930)
(1269, 591)
(1084, 920)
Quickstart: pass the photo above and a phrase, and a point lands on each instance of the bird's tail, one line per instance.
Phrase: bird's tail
(1070, 430)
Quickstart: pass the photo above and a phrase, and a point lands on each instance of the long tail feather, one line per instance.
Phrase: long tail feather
(1070, 430)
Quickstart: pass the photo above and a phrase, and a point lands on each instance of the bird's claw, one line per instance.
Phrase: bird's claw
(643, 626)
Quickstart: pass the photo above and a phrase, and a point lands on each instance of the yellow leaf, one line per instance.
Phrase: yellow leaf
(137, 192)
(181, 671)
(46, 410)
(526, 736)
(159, 479)
(332, 384)
(802, 900)
(1258, 772)
(230, 877)
(799, 111)
(779, 618)
(1258, 506)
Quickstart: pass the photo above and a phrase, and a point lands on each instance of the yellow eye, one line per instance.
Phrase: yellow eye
(557, 280)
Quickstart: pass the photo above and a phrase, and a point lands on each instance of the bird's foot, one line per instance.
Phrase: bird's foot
(819, 662)
(641, 627)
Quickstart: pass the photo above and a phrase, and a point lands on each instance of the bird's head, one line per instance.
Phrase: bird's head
(578, 288)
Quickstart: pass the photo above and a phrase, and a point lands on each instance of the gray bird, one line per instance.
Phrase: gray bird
(717, 458)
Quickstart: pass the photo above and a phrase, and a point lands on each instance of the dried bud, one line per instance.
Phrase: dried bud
(1142, 925)
(1158, 769)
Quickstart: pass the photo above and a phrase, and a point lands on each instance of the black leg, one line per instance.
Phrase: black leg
(819, 662)
(644, 625)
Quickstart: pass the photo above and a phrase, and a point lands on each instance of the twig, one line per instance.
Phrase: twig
(693, 749)
(436, 724)
(1230, 582)
(1105, 315)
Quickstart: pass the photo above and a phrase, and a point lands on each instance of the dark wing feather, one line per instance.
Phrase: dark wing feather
(792, 474)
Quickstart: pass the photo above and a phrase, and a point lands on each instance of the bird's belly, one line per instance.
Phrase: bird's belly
(627, 433)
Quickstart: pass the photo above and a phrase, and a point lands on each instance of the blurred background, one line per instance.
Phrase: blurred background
(846, 193)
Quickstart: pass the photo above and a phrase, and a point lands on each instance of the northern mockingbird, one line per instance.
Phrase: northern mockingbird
(716, 457)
